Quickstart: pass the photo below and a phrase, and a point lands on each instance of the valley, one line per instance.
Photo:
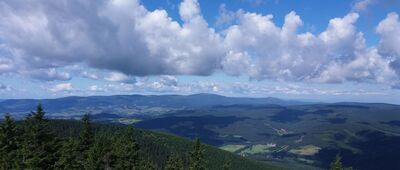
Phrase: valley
(289, 134)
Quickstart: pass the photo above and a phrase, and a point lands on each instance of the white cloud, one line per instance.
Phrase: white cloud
(362, 5)
(225, 17)
(119, 87)
(389, 45)
(47, 74)
(126, 39)
(265, 51)
(189, 9)
(168, 80)
(110, 34)
(156, 86)
(262, 50)
(95, 88)
(165, 83)
(341, 38)
(367, 66)
(389, 31)
(120, 77)
(62, 87)
(235, 63)
(90, 75)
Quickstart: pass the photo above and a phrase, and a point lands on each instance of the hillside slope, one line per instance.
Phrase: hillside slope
(158, 146)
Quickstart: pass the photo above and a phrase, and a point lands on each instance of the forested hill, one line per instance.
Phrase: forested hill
(38, 143)
(129, 102)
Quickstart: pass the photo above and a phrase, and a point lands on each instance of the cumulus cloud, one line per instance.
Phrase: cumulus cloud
(110, 34)
(225, 17)
(128, 40)
(230, 89)
(169, 80)
(48, 74)
(164, 83)
(120, 77)
(341, 37)
(95, 88)
(90, 75)
(367, 65)
(265, 50)
(389, 29)
(262, 50)
(389, 45)
(62, 87)
(189, 9)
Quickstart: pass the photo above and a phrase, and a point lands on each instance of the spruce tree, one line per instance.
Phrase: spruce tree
(68, 155)
(227, 164)
(99, 155)
(147, 165)
(174, 163)
(86, 140)
(126, 151)
(197, 161)
(39, 146)
(337, 164)
(8, 144)
(87, 135)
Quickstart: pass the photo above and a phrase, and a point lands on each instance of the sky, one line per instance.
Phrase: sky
(329, 51)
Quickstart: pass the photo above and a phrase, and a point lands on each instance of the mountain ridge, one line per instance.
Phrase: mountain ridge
(168, 101)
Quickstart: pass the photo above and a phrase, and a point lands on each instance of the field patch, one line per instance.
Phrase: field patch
(127, 121)
(308, 150)
(258, 149)
(232, 148)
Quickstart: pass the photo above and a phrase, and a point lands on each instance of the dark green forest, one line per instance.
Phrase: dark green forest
(39, 143)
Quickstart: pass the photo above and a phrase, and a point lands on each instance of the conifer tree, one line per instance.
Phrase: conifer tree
(146, 165)
(8, 143)
(174, 163)
(227, 164)
(197, 161)
(337, 164)
(126, 151)
(99, 155)
(39, 146)
(68, 155)
(87, 135)
(86, 140)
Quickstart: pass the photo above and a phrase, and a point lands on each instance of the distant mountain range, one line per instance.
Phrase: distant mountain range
(107, 103)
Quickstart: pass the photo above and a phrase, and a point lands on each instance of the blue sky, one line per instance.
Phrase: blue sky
(333, 50)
